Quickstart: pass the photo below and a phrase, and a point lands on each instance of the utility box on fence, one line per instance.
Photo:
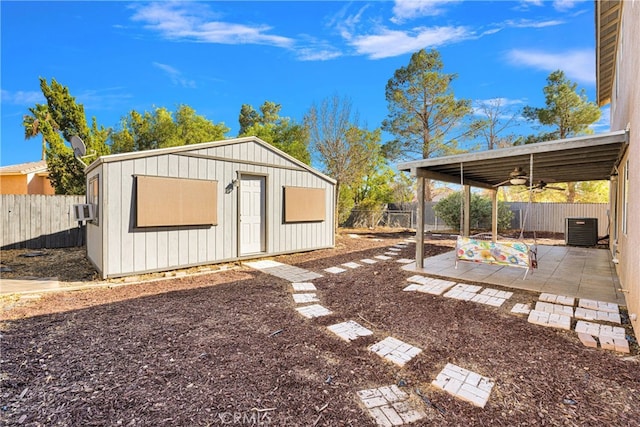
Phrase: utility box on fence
(581, 231)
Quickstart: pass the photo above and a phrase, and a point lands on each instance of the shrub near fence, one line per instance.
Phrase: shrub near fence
(39, 221)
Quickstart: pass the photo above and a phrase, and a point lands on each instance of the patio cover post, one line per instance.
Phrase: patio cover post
(466, 197)
(494, 215)
(420, 224)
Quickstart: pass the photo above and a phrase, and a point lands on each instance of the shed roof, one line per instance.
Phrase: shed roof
(584, 158)
(183, 149)
(24, 168)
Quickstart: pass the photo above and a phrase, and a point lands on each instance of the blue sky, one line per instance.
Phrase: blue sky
(215, 56)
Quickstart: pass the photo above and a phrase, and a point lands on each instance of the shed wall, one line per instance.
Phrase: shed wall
(131, 250)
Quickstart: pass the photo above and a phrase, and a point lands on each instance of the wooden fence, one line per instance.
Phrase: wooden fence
(39, 221)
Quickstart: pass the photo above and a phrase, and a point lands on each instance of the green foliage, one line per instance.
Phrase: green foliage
(567, 110)
(57, 121)
(345, 205)
(424, 115)
(159, 129)
(448, 209)
(281, 132)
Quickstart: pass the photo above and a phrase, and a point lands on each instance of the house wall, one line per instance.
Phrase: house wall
(40, 184)
(625, 112)
(131, 250)
(13, 184)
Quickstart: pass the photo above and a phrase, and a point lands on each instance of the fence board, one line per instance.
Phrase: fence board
(39, 221)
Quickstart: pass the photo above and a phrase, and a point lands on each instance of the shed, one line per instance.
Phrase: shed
(201, 204)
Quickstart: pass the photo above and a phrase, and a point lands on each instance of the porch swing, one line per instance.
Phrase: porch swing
(515, 253)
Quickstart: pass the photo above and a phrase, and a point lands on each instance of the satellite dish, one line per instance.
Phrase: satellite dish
(79, 149)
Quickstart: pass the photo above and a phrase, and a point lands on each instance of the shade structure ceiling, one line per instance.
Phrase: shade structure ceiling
(585, 158)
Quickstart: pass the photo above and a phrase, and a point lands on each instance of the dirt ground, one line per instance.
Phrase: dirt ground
(229, 348)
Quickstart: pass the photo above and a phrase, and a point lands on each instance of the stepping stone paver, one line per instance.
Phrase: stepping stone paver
(404, 260)
(382, 257)
(464, 384)
(315, 310)
(284, 271)
(521, 308)
(394, 249)
(334, 270)
(557, 299)
(368, 261)
(548, 307)
(305, 298)
(395, 350)
(488, 300)
(303, 286)
(349, 330)
(587, 340)
(390, 406)
(609, 307)
(351, 265)
(554, 320)
(412, 287)
(389, 253)
(463, 292)
(430, 285)
(588, 314)
(496, 293)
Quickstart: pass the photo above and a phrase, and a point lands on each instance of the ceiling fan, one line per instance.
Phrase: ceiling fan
(516, 177)
(542, 185)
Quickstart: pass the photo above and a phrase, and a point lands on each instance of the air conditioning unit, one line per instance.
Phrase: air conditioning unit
(83, 212)
(581, 231)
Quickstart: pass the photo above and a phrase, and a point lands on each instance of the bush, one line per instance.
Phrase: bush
(448, 209)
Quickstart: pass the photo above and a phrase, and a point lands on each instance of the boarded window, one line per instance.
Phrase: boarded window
(304, 204)
(166, 202)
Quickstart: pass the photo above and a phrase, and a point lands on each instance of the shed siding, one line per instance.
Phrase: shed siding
(134, 250)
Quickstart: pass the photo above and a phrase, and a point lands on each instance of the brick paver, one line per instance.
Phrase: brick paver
(395, 350)
(548, 307)
(382, 257)
(335, 270)
(368, 261)
(521, 308)
(588, 314)
(349, 330)
(463, 292)
(553, 320)
(557, 299)
(464, 384)
(390, 406)
(609, 307)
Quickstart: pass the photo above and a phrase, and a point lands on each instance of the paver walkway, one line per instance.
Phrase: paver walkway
(283, 271)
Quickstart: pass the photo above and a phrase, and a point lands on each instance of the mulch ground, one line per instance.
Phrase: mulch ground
(229, 348)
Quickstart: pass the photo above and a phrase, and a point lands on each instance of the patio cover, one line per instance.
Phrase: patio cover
(583, 158)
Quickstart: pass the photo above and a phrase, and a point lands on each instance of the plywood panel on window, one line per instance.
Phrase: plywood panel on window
(166, 202)
(304, 204)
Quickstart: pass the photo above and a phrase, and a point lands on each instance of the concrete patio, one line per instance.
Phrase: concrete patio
(564, 270)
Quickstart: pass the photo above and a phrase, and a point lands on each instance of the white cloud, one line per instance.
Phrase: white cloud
(388, 43)
(20, 97)
(175, 75)
(410, 9)
(564, 5)
(528, 23)
(195, 21)
(577, 64)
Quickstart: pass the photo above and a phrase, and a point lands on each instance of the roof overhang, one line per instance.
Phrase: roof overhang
(608, 16)
(584, 158)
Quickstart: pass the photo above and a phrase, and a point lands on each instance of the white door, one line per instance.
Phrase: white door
(252, 214)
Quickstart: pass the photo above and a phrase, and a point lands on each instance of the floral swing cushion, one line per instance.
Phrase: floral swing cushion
(502, 253)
